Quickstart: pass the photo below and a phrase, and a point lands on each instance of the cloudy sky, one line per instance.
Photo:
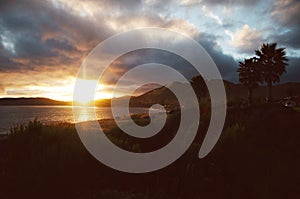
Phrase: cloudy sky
(43, 43)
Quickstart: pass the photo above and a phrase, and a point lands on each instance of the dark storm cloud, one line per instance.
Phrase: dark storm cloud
(293, 70)
(145, 56)
(287, 15)
(286, 12)
(5, 61)
(290, 38)
(44, 35)
(38, 31)
(226, 63)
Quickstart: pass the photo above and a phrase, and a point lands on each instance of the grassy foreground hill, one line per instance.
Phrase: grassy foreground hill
(257, 156)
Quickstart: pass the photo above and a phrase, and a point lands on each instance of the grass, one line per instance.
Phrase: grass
(257, 156)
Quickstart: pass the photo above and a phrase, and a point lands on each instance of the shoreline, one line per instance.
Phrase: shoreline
(106, 123)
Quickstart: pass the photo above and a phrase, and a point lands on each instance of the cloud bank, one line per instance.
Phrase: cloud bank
(43, 43)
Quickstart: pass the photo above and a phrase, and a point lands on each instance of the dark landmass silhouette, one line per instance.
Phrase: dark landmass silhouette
(38, 101)
(163, 95)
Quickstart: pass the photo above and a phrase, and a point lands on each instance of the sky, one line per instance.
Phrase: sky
(43, 43)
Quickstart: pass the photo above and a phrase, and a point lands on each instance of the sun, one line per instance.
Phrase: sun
(85, 93)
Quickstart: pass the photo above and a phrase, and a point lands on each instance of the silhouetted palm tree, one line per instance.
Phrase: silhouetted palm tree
(249, 75)
(273, 63)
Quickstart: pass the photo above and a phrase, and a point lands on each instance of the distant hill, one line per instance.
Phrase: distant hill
(234, 91)
(33, 102)
(163, 95)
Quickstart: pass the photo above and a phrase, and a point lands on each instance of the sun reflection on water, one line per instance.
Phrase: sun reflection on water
(85, 113)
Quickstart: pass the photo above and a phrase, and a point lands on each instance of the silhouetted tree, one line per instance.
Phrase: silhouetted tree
(199, 86)
(249, 75)
(273, 64)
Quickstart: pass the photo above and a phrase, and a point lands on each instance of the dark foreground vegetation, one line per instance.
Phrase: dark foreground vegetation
(257, 156)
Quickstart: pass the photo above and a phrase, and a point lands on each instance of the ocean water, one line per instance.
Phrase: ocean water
(11, 115)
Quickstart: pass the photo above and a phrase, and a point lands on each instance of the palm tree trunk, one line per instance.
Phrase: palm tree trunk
(269, 92)
(249, 96)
